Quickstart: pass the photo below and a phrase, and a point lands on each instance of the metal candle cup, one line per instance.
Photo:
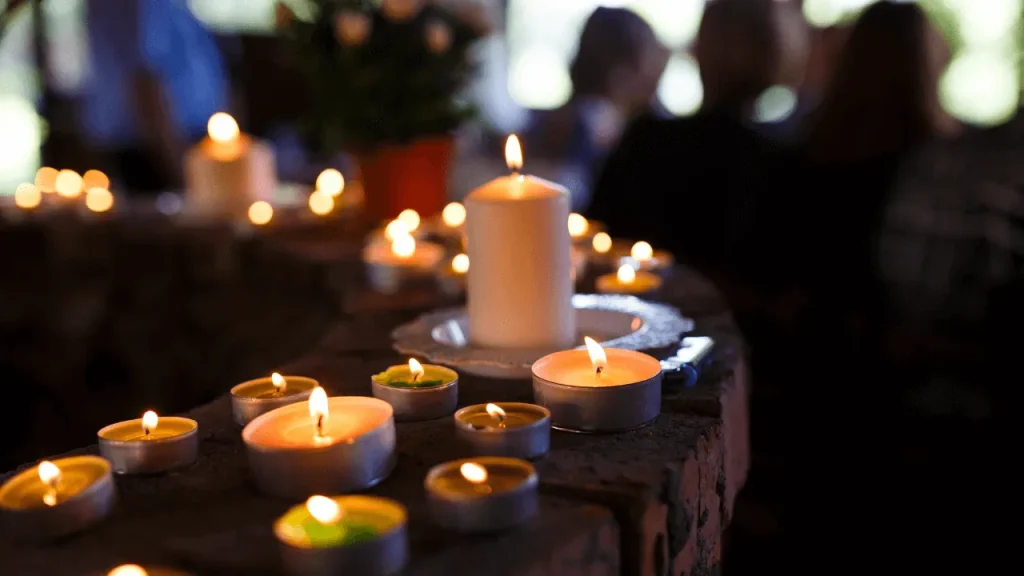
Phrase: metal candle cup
(525, 431)
(357, 450)
(625, 396)
(385, 552)
(255, 397)
(622, 281)
(412, 403)
(387, 271)
(83, 495)
(506, 497)
(172, 443)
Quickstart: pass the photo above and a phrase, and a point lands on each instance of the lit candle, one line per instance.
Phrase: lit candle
(260, 213)
(330, 182)
(596, 390)
(647, 258)
(578, 226)
(68, 184)
(27, 197)
(150, 444)
(363, 535)
(95, 179)
(417, 392)
(227, 171)
(57, 498)
(410, 218)
(452, 278)
(505, 429)
(255, 397)
(626, 280)
(602, 243)
(326, 445)
(389, 264)
(136, 570)
(482, 494)
(520, 286)
(321, 203)
(99, 200)
(454, 215)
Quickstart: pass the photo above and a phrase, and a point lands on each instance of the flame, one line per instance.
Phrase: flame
(321, 203)
(626, 274)
(280, 384)
(99, 199)
(473, 472)
(95, 179)
(260, 212)
(410, 218)
(602, 243)
(394, 229)
(323, 509)
(578, 225)
(416, 369)
(318, 409)
(68, 184)
(598, 359)
(128, 570)
(149, 422)
(641, 252)
(403, 246)
(222, 127)
(46, 179)
(27, 196)
(330, 182)
(49, 473)
(454, 214)
(513, 153)
(495, 412)
(460, 264)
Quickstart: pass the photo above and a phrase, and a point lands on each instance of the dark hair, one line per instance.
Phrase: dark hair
(610, 36)
(883, 94)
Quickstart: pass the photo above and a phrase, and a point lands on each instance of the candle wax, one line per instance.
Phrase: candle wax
(264, 388)
(644, 282)
(585, 375)
(401, 377)
(363, 518)
(26, 490)
(131, 430)
(292, 426)
(500, 478)
(574, 368)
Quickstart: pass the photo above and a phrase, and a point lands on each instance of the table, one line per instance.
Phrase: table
(649, 502)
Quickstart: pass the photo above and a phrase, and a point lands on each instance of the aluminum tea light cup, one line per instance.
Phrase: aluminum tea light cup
(597, 390)
(58, 498)
(363, 535)
(512, 429)
(401, 260)
(628, 280)
(451, 279)
(151, 444)
(484, 494)
(418, 392)
(255, 397)
(323, 446)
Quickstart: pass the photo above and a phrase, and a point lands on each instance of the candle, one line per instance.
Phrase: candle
(325, 445)
(482, 494)
(227, 171)
(602, 243)
(58, 498)
(410, 218)
(99, 200)
(505, 429)
(150, 444)
(626, 280)
(321, 203)
(260, 213)
(417, 392)
(454, 215)
(136, 570)
(520, 285)
(598, 390)
(330, 182)
(27, 197)
(578, 226)
(389, 264)
(68, 184)
(452, 278)
(646, 258)
(363, 535)
(254, 397)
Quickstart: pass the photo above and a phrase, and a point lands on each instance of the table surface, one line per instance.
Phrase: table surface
(650, 501)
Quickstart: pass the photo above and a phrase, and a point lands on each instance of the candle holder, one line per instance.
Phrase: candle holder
(357, 450)
(83, 495)
(170, 443)
(512, 429)
(387, 272)
(255, 397)
(482, 494)
(436, 395)
(628, 280)
(373, 540)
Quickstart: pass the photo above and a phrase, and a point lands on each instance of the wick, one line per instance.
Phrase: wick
(598, 370)
(320, 426)
(416, 377)
(145, 431)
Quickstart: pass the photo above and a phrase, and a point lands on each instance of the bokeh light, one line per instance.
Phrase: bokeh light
(321, 203)
(99, 199)
(27, 196)
(681, 90)
(69, 183)
(260, 212)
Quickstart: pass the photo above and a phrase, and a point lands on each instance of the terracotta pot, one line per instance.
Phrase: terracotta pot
(408, 176)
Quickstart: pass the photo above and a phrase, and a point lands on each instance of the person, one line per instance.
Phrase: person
(156, 78)
(614, 76)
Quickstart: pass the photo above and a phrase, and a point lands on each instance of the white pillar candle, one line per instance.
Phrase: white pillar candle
(520, 284)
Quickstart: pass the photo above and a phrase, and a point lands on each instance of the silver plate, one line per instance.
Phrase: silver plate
(616, 321)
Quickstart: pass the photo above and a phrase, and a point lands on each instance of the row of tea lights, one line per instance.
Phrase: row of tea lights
(302, 444)
(63, 189)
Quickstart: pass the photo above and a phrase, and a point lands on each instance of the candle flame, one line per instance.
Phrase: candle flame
(128, 570)
(598, 359)
(260, 212)
(403, 246)
(473, 472)
(46, 179)
(27, 196)
(513, 153)
(626, 274)
(280, 384)
(460, 264)
(454, 214)
(410, 218)
(321, 203)
(95, 179)
(49, 473)
(330, 182)
(68, 184)
(416, 369)
(602, 243)
(99, 199)
(578, 225)
(394, 229)
(495, 412)
(641, 252)
(149, 422)
(323, 509)
(318, 409)
(222, 127)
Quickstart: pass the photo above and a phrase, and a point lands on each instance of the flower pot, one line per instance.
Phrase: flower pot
(396, 177)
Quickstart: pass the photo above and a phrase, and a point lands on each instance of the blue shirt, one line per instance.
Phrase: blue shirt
(163, 38)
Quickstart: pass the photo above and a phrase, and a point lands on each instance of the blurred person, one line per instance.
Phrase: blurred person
(615, 75)
(796, 45)
(156, 78)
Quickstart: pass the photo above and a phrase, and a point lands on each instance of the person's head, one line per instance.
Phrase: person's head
(883, 93)
(744, 47)
(619, 58)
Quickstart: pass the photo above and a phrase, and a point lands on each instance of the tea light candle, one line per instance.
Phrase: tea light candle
(482, 494)
(58, 498)
(388, 264)
(136, 570)
(417, 392)
(326, 445)
(363, 535)
(254, 397)
(452, 278)
(150, 444)
(582, 230)
(511, 429)
(598, 390)
(646, 258)
(454, 216)
(626, 280)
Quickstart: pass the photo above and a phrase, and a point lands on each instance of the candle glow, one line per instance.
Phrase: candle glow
(222, 128)
(410, 218)
(128, 570)
(641, 252)
(260, 212)
(49, 473)
(323, 509)
(598, 359)
(474, 473)
(602, 243)
(460, 264)
(394, 229)
(318, 410)
(513, 153)
(280, 384)
(149, 422)
(95, 179)
(27, 196)
(46, 179)
(578, 225)
(321, 203)
(453, 215)
(626, 274)
(403, 246)
(99, 199)
(330, 182)
(69, 183)
(416, 369)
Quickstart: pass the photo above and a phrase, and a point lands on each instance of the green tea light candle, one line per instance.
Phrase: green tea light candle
(255, 397)
(344, 535)
(417, 391)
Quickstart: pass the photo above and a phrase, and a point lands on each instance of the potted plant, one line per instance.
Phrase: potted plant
(386, 80)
